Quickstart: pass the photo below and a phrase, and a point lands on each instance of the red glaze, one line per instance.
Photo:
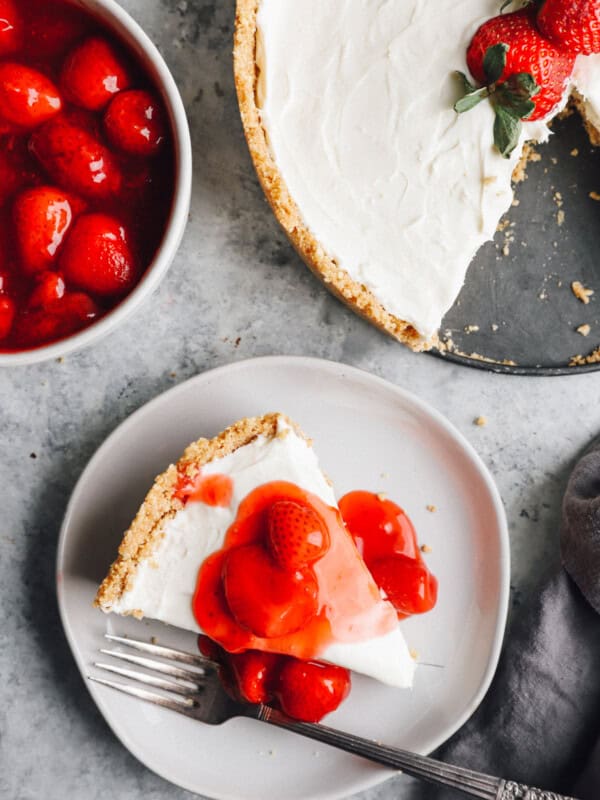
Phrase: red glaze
(212, 490)
(134, 123)
(42, 218)
(53, 28)
(243, 596)
(59, 69)
(387, 541)
(97, 256)
(93, 73)
(11, 27)
(305, 690)
(7, 316)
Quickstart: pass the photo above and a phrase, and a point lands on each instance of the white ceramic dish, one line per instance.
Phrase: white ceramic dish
(110, 13)
(369, 434)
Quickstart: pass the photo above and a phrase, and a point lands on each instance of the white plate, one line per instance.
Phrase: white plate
(368, 434)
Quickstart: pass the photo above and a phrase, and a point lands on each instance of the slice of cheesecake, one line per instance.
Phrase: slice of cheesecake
(202, 520)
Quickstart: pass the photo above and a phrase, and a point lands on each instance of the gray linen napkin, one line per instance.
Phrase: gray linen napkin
(540, 721)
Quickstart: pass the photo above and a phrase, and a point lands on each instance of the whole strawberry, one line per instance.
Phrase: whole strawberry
(523, 73)
(297, 534)
(573, 25)
(97, 256)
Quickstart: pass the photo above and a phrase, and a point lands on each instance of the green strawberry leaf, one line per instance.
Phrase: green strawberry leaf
(467, 85)
(494, 62)
(522, 84)
(470, 100)
(507, 131)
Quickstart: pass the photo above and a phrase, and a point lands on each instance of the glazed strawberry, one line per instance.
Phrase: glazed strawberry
(7, 315)
(42, 218)
(253, 673)
(97, 256)
(92, 74)
(27, 97)
(134, 123)
(265, 599)
(11, 27)
(62, 318)
(523, 73)
(76, 160)
(297, 534)
(308, 690)
(378, 526)
(572, 25)
(50, 288)
(409, 586)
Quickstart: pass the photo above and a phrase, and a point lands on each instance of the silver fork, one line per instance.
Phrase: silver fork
(195, 691)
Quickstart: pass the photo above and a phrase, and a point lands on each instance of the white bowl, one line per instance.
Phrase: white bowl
(111, 13)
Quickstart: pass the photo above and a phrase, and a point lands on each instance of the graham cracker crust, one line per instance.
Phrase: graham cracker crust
(147, 529)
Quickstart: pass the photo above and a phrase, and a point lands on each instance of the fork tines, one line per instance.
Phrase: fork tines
(185, 684)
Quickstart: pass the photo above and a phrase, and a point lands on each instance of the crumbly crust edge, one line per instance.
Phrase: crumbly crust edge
(147, 528)
(337, 280)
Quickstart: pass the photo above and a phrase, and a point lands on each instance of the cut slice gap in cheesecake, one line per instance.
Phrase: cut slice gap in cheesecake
(186, 524)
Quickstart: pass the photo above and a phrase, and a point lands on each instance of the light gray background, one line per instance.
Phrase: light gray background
(236, 290)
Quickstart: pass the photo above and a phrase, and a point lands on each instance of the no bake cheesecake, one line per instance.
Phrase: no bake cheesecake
(385, 191)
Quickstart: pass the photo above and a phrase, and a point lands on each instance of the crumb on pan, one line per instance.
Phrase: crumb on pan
(481, 422)
(582, 361)
(581, 292)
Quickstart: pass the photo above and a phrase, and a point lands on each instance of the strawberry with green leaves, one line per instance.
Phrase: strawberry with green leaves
(573, 25)
(523, 73)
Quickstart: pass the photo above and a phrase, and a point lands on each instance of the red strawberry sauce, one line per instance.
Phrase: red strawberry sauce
(278, 585)
(86, 180)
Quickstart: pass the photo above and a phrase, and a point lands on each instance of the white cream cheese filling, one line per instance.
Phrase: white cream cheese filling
(357, 101)
(164, 585)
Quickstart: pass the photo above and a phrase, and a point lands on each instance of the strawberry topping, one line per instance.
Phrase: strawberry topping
(75, 159)
(134, 123)
(93, 74)
(97, 256)
(27, 97)
(42, 218)
(308, 690)
(264, 599)
(51, 287)
(304, 690)
(297, 535)
(61, 318)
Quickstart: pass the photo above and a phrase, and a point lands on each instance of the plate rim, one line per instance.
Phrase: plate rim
(334, 368)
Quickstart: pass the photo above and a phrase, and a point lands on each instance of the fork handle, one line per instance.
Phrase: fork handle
(472, 783)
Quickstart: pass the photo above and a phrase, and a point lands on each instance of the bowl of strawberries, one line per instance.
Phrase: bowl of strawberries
(95, 173)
